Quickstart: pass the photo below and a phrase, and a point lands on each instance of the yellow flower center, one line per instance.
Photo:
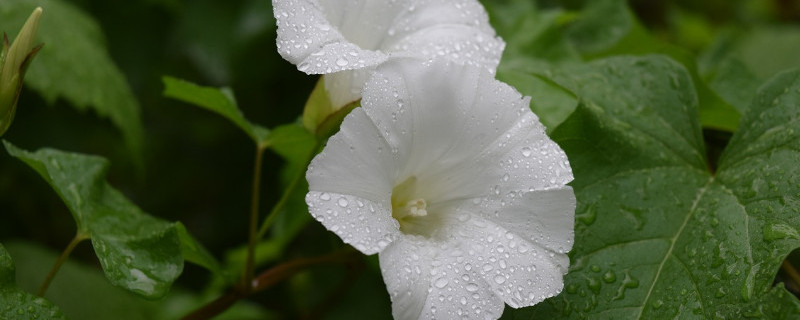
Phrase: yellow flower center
(411, 210)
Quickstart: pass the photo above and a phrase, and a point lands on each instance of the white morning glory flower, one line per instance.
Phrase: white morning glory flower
(447, 174)
(346, 39)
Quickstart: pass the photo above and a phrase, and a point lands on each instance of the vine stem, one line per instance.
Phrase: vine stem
(286, 194)
(267, 279)
(64, 255)
(247, 276)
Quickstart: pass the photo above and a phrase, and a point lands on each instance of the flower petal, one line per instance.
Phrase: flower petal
(521, 273)
(356, 161)
(344, 87)
(350, 185)
(365, 224)
(430, 280)
(307, 37)
(544, 218)
(462, 133)
(323, 37)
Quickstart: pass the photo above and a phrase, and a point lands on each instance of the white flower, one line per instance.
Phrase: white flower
(449, 176)
(346, 39)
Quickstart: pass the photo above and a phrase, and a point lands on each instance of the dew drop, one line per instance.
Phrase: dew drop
(471, 287)
(341, 62)
(499, 279)
(526, 151)
(440, 283)
(324, 196)
(342, 202)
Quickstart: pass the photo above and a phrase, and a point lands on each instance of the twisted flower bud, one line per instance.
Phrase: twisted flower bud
(14, 59)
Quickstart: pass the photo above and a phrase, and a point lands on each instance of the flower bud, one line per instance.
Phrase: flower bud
(14, 59)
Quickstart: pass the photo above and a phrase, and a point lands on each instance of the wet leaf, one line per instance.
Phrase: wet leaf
(82, 292)
(16, 303)
(219, 101)
(72, 38)
(657, 234)
(138, 252)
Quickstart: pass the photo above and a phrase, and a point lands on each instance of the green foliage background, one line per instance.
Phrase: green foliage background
(181, 163)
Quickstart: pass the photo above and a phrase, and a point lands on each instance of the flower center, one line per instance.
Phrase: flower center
(411, 210)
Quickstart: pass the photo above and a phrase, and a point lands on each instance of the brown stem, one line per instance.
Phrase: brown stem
(216, 307)
(247, 276)
(267, 279)
(64, 255)
(285, 270)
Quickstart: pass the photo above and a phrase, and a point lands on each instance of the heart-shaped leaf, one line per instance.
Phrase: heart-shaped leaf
(137, 251)
(657, 234)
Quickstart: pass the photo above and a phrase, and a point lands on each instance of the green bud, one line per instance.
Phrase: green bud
(14, 60)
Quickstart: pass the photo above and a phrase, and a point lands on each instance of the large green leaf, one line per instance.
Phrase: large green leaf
(657, 234)
(138, 252)
(220, 101)
(16, 303)
(75, 65)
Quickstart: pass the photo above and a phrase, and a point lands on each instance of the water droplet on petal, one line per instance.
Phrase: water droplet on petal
(324, 196)
(499, 279)
(526, 151)
(341, 62)
(440, 283)
(343, 202)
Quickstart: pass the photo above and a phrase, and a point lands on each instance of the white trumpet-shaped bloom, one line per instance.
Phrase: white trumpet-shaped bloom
(346, 39)
(447, 174)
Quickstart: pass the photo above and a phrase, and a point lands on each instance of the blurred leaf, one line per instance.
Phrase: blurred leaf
(734, 82)
(534, 41)
(530, 32)
(601, 25)
(16, 303)
(137, 251)
(657, 235)
(769, 50)
(75, 65)
(220, 101)
(83, 292)
(622, 34)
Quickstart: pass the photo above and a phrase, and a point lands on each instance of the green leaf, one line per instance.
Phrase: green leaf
(75, 65)
(601, 25)
(293, 143)
(194, 252)
(543, 38)
(657, 235)
(606, 28)
(16, 303)
(220, 101)
(137, 251)
(82, 292)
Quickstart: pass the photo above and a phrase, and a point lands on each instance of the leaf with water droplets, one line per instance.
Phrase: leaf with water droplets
(15, 303)
(657, 234)
(138, 252)
(220, 101)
